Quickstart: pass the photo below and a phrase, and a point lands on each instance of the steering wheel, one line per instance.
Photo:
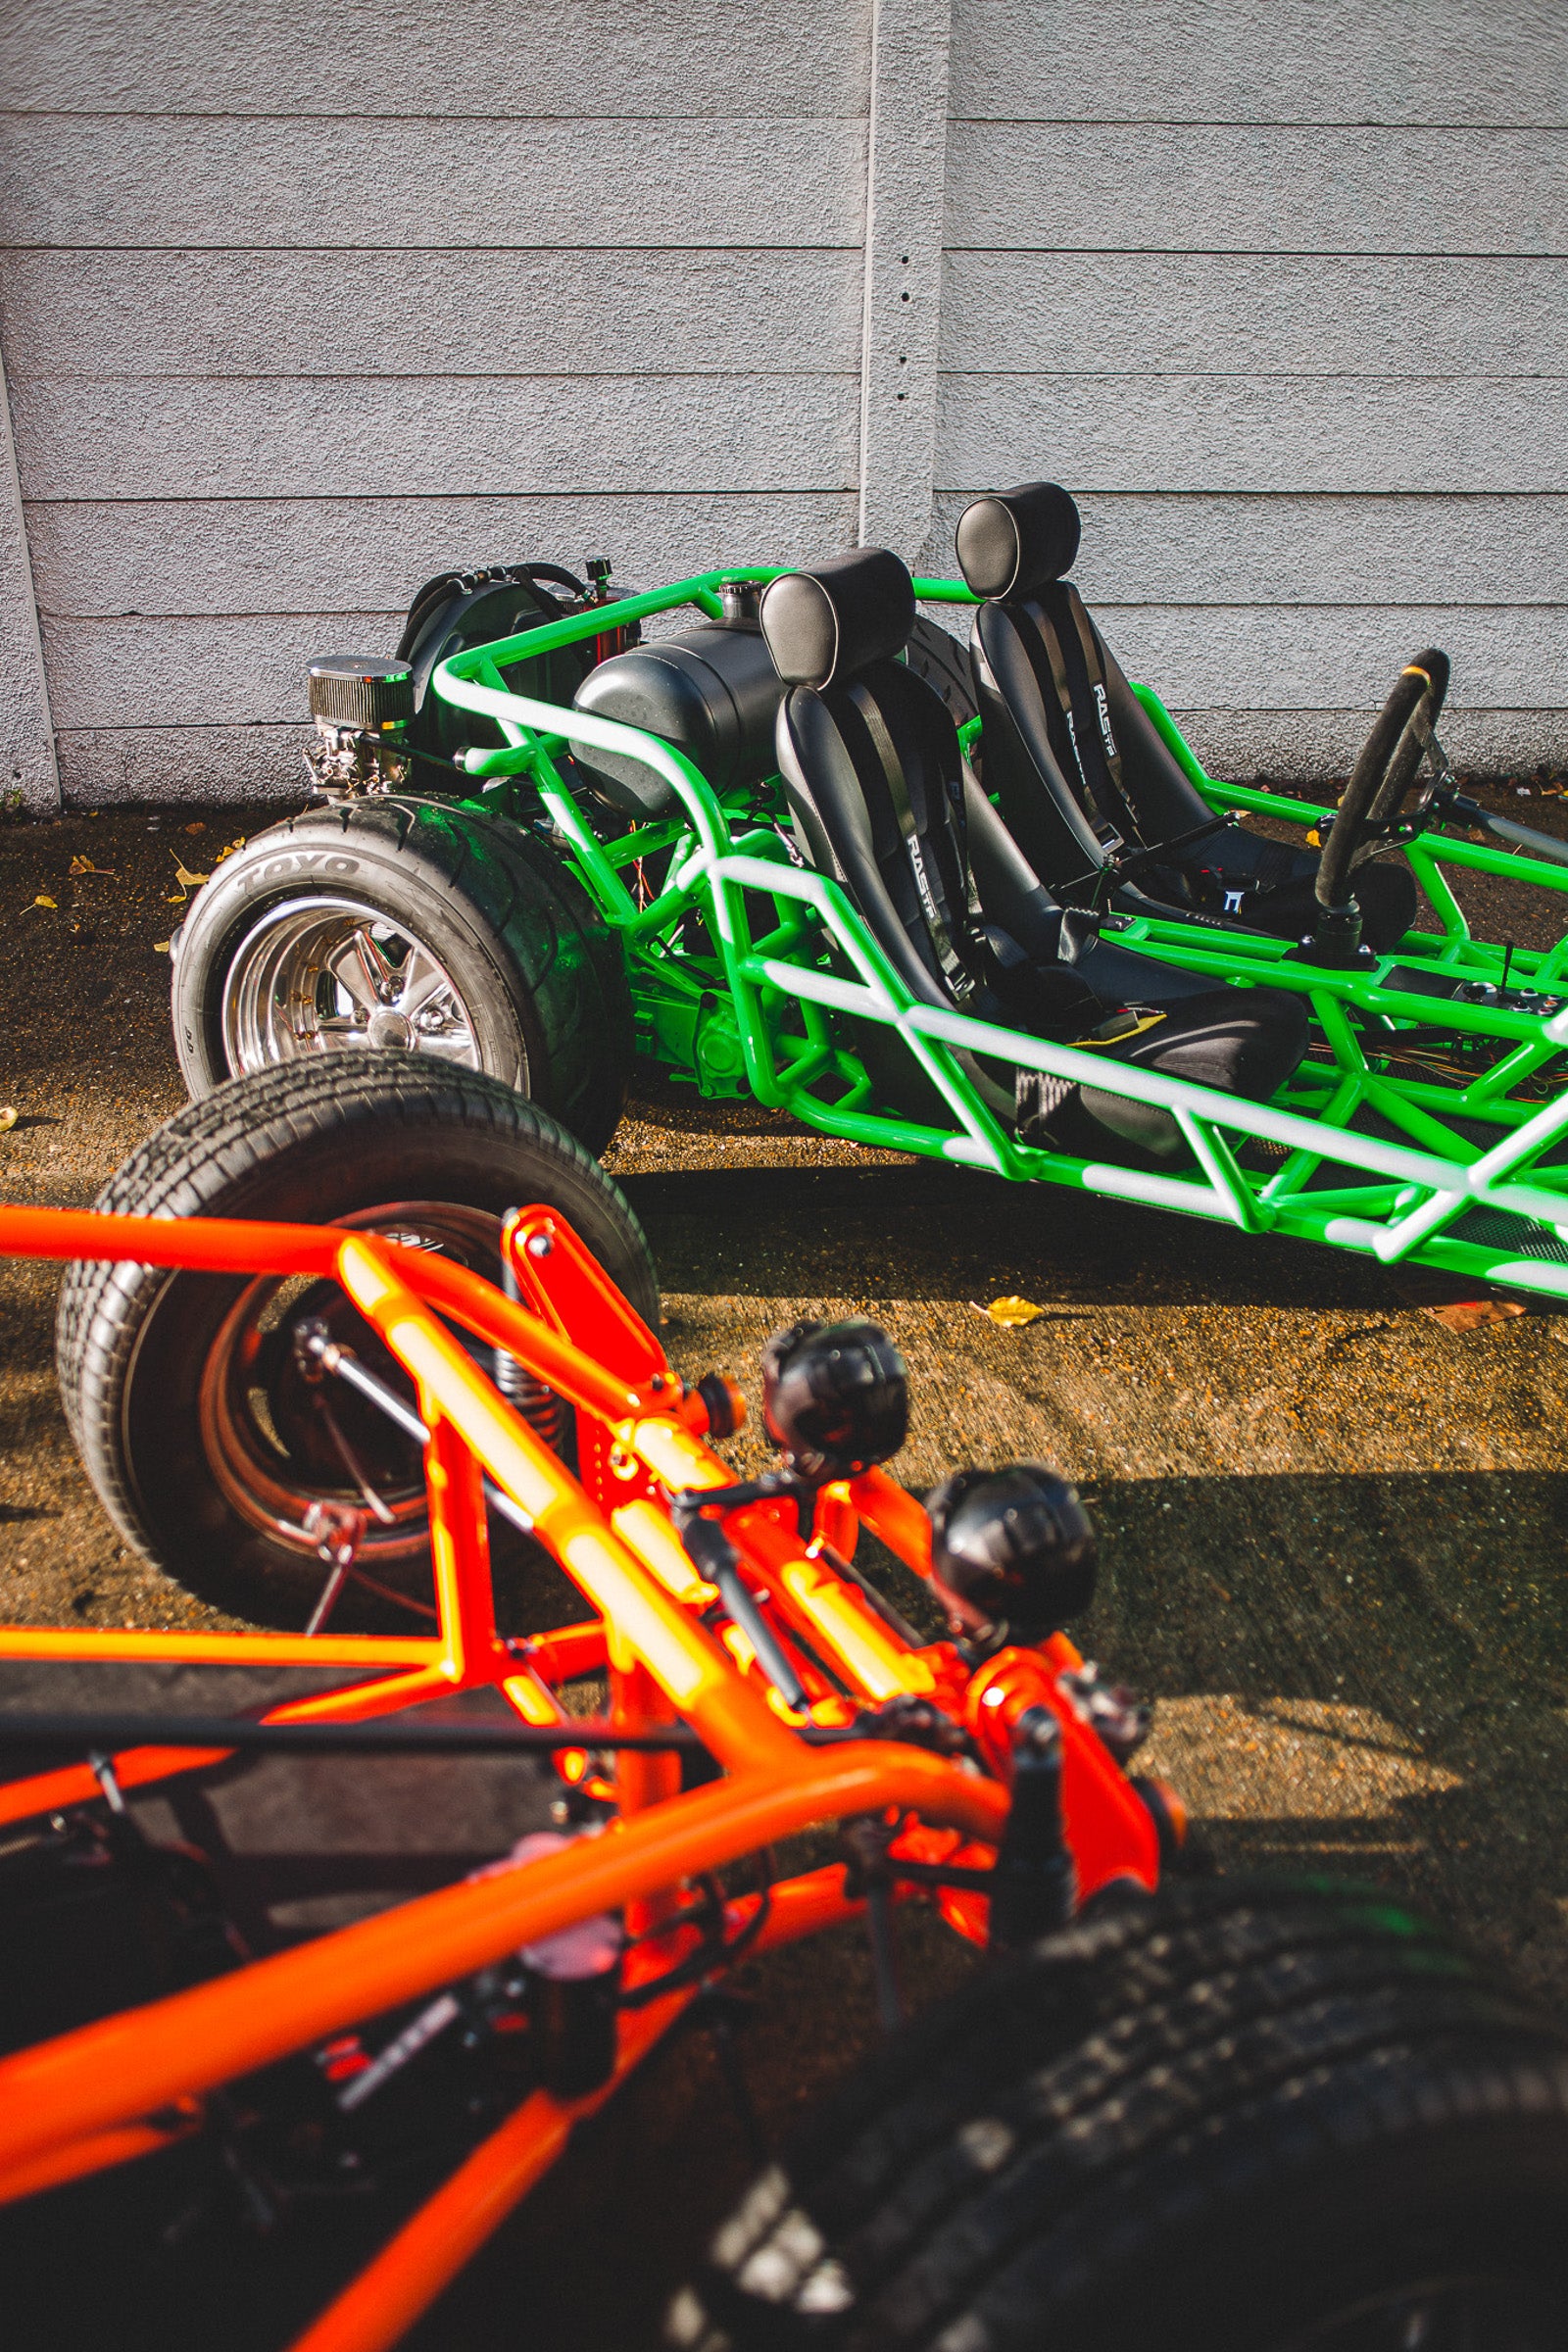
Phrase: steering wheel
(1372, 807)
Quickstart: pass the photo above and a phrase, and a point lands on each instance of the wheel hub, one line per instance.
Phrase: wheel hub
(335, 974)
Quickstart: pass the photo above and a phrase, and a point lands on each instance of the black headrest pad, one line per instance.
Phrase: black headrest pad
(1017, 540)
(827, 624)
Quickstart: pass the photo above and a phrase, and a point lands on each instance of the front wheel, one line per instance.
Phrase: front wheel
(1251, 2118)
(405, 926)
(207, 1442)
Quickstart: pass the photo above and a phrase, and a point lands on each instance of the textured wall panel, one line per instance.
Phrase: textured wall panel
(1432, 62)
(142, 674)
(489, 59)
(1197, 432)
(1244, 314)
(235, 556)
(1273, 658)
(132, 181)
(320, 312)
(347, 437)
(1320, 744)
(100, 765)
(1274, 188)
(1201, 548)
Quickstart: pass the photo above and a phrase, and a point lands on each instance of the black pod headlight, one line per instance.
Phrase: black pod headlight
(835, 1396)
(1012, 1547)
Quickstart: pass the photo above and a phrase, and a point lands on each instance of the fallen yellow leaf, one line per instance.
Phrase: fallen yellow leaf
(84, 866)
(1012, 1312)
(228, 849)
(8, 1117)
(161, 947)
(43, 900)
(187, 881)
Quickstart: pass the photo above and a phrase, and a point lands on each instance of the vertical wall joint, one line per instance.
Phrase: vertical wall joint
(26, 731)
(906, 181)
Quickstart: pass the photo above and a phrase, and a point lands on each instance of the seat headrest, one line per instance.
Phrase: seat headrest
(1017, 540)
(827, 624)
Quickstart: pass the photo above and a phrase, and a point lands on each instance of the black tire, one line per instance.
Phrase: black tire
(944, 663)
(181, 1388)
(1239, 2117)
(536, 974)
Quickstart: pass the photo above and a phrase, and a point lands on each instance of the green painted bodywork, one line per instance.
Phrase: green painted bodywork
(754, 976)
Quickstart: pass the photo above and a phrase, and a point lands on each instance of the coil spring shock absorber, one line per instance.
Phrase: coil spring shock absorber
(544, 1411)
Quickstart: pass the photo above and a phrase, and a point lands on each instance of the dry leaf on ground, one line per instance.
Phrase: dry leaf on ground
(161, 947)
(84, 866)
(228, 849)
(1012, 1312)
(44, 899)
(187, 881)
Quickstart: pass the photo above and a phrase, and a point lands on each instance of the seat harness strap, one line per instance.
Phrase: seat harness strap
(1107, 830)
(951, 963)
(1095, 666)
(1109, 810)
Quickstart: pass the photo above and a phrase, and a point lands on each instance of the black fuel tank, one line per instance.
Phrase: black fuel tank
(713, 692)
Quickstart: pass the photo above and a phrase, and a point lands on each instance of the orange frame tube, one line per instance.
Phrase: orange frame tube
(83, 2099)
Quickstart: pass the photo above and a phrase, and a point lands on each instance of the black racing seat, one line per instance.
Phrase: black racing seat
(1086, 785)
(883, 801)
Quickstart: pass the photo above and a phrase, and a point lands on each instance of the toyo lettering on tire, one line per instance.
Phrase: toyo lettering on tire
(405, 925)
(208, 1442)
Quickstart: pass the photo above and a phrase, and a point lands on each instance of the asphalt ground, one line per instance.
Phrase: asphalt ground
(1333, 1528)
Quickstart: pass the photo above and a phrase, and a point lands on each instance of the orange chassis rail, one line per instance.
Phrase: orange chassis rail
(116, 2090)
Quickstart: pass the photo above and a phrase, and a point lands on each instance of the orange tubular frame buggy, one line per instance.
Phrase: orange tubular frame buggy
(124, 2086)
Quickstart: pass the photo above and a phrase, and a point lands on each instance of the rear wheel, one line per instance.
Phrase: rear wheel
(206, 1443)
(1256, 2119)
(399, 925)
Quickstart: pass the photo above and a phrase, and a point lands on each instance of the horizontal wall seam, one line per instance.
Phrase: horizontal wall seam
(493, 252)
(802, 376)
(534, 245)
(523, 497)
(513, 376)
(1111, 253)
(1076, 122)
(1101, 376)
(1508, 129)
(1513, 257)
(90, 114)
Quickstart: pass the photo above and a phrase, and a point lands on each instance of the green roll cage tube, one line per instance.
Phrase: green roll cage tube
(1465, 1183)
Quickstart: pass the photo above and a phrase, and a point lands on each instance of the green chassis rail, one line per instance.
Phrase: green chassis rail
(1466, 1174)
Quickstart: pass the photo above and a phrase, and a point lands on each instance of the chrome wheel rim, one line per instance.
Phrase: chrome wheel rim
(332, 975)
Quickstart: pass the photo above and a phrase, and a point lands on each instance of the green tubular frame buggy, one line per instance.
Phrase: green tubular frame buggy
(1363, 1149)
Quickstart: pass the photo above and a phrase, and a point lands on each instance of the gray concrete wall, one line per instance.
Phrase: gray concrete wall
(1283, 293)
(302, 303)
